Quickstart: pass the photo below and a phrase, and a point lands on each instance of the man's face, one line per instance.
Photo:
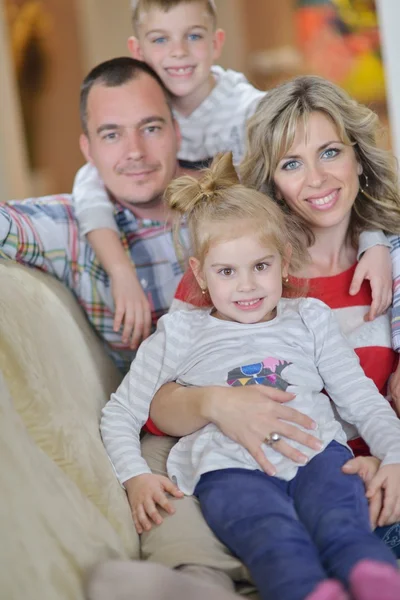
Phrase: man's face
(132, 140)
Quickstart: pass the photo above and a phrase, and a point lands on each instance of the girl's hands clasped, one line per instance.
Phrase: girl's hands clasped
(252, 413)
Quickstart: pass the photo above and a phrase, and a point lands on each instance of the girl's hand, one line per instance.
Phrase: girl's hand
(387, 481)
(145, 492)
(367, 467)
(252, 413)
(394, 389)
(131, 306)
(376, 266)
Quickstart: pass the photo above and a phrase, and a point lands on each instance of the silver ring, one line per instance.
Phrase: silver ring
(272, 439)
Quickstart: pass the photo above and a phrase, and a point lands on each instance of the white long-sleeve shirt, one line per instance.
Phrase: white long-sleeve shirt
(301, 350)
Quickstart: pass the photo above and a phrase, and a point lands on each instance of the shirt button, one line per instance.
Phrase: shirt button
(143, 283)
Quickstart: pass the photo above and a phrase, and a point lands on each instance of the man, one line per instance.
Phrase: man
(132, 139)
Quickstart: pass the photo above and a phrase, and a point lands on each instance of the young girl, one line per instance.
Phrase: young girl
(307, 523)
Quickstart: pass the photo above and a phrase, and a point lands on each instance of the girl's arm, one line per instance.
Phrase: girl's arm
(355, 395)
(127, 411)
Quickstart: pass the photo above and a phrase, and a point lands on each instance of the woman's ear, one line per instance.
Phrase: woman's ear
(194, 264)
(359, 169)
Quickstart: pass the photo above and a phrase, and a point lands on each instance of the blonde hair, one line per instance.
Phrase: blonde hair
(139, 7)
(213, 205)
(272, 129)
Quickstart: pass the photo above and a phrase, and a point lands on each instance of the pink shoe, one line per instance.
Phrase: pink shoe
(372, 580)
(329, 590)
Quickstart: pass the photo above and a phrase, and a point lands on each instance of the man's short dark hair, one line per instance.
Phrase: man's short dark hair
(114, 73)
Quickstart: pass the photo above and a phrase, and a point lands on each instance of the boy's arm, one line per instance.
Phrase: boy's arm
(131, 304)
(95, 214)
(40, 233)
(375, 265)
(93, 207)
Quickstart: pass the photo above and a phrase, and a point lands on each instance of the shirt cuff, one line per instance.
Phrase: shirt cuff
(369, 239)
(100, 218)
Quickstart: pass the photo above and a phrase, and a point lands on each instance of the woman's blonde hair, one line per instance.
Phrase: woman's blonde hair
(217, 207)
(272, 129)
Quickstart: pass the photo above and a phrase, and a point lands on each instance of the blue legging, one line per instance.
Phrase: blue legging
(293, 534)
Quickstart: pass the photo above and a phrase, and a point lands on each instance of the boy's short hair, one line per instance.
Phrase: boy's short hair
(114, 73)
(142, 6)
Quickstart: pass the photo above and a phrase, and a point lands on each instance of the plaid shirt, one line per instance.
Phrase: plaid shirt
(43, 233)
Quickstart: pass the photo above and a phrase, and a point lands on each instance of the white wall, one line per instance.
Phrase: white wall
(389, 17)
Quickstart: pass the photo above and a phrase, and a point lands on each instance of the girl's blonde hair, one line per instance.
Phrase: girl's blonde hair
(272, 129)
(217, 207)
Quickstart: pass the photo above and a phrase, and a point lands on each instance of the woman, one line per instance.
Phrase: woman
(313, 149)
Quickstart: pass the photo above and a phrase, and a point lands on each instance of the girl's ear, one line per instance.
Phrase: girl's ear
(359, 169)
(194, 264)
(286, 260)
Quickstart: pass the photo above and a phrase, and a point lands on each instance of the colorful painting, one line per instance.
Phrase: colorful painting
(339, 40)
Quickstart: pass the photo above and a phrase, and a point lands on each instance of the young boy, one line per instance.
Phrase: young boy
(180, 41)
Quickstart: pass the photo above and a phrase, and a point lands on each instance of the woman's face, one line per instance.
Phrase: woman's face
(318, 176)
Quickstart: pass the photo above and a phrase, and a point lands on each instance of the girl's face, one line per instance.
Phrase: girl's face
(243, 278)
(318, 176)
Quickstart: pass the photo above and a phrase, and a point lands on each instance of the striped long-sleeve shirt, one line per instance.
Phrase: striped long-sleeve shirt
(301, 350)
(43, 233)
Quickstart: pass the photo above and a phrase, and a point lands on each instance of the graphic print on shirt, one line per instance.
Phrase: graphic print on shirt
(268, 372)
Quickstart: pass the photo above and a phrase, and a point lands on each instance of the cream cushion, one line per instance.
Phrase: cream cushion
(59, 378)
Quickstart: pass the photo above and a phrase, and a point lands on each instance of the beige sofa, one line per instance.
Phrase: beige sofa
(61, 508)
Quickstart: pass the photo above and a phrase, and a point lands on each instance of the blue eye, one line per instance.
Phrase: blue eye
(290, 165)
(110, 137)
(152, 129)
(193, 37)
(331, 152)
(159, 40)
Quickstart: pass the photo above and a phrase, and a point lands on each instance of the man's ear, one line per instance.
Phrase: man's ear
(194, 264)
(85, 147)
(218, 42)
(134, 48)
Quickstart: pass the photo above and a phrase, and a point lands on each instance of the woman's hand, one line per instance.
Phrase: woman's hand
(387, 481)
(367, 467)
(249, 414)
(376, 266)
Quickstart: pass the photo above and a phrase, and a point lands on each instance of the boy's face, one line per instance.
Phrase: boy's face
(180, 45)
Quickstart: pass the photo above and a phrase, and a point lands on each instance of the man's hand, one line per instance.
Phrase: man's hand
(366, 467)
(394, 389)
(131, 306)
(376, 266)
(387, 481)
(145, 493)
(249, 414)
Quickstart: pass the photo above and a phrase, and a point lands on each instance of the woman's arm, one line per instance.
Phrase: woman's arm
(248, 415)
